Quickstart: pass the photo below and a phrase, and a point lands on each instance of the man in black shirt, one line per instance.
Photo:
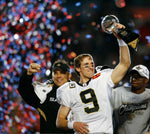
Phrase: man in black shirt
(42, 96)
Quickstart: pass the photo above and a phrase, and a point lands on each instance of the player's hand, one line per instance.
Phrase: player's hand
(81, 127)
(119, 26)
(148, 133)
(33, 68)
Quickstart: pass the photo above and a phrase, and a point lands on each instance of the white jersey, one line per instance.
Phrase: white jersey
(131, 111)
(90, 103)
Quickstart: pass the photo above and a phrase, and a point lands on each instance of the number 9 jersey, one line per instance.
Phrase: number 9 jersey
(90, 102)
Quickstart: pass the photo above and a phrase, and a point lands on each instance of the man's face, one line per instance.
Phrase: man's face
(60, 77)
(137, 81)
(86, 68)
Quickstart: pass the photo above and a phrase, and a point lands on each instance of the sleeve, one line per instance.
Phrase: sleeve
(64, 95)
(113, 98)
(26, 90)
(107, 77)
(110, 82)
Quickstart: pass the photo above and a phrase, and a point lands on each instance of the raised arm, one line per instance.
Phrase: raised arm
(26, 89)
(121, 69)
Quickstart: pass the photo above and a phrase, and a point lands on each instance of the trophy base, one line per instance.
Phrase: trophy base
(129, 37)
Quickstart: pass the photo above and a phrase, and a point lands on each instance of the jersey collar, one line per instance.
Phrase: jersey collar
(84, 84)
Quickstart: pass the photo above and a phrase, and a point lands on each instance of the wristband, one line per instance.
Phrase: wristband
(70, 124)
(121, 43)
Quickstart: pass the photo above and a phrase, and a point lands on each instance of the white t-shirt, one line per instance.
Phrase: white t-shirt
(90, 102)
(131, 111)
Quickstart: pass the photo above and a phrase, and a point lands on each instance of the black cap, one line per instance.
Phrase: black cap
(62, 66)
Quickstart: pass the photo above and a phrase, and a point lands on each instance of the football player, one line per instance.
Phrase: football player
(89, 99)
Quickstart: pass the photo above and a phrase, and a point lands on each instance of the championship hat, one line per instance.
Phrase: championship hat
(141, 70)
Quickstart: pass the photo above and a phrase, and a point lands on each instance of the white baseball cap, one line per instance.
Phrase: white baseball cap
(142, 70)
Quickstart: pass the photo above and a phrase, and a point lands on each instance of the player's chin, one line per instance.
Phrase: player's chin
(59, 83)
(90, 75)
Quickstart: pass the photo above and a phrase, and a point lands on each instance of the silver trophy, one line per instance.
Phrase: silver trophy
(109, 23)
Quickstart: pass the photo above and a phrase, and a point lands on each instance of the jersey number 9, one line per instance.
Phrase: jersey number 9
(88, 96)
